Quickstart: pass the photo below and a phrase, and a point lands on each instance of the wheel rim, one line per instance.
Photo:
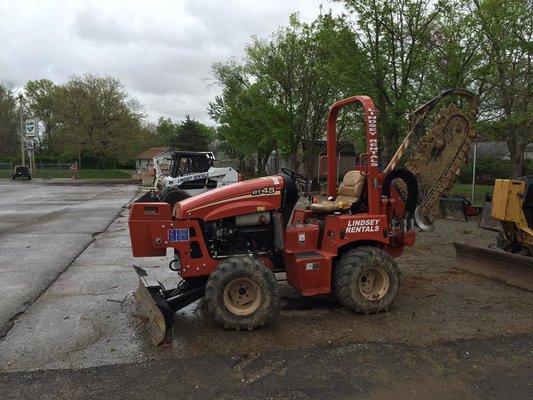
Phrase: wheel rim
(242, 296)
(374, 283)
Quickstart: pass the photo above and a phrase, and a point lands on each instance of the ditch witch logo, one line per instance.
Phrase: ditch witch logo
(363, 225)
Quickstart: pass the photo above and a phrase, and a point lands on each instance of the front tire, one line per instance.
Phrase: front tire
(242, 293)
(367, 280)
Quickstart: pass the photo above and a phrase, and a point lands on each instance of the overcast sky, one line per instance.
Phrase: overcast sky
(161, 50)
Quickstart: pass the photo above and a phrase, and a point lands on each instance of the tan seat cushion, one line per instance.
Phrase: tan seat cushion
(349, 192)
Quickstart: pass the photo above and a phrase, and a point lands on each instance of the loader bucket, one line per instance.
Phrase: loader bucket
(152, 306)
(453, 207)
(512, 269)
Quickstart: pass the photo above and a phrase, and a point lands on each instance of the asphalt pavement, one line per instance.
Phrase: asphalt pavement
(43, 228)
(473, 369)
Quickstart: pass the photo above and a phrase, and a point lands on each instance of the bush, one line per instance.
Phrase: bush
(489, 169)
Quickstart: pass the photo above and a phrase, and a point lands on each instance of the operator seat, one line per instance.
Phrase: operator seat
(349, 192)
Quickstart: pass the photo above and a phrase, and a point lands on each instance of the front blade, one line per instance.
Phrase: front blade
(512, 269)
(151, 305)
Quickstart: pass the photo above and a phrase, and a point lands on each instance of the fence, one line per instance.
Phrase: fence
(42, 170)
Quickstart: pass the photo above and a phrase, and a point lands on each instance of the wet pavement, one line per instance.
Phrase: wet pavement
(43, 228)
(87, 316)
(450, 334)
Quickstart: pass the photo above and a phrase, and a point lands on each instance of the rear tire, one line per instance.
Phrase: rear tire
(242, 293)
(367, 280)
(173, 195)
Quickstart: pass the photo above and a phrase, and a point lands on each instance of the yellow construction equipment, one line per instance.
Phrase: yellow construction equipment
(511, 259)
(511, 207)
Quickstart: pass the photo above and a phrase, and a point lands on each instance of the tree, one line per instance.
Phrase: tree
(167, 131)
(395, 37)
(279, 96)
(42, 97)
(294, 68)
(98, 116)
(192, 136)
(9, 123)
(506, 32)
(189, 135)
(245, 114)
(455, 56)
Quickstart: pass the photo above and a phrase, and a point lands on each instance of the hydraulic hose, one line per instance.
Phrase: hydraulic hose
(412, 190)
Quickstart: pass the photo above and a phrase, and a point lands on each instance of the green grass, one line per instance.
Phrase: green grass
(466, 190)
(85, 174)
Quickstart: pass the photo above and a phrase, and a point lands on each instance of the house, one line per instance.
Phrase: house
(147, 158)
(497, 150)
(528, 153)
(315, 167)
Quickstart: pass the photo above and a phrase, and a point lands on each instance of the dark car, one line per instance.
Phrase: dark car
(21, 172)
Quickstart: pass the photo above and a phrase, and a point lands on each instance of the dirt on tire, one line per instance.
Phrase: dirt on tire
(248, 268)
(352, 267)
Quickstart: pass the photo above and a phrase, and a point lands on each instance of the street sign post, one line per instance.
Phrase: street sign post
(31, 128)
(31, 134)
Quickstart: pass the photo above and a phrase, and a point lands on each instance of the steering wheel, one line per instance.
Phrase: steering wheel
(297, 177)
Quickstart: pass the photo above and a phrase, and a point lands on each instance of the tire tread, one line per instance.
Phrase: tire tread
(346, 282)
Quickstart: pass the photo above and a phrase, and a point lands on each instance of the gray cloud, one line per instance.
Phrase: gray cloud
(162, 51)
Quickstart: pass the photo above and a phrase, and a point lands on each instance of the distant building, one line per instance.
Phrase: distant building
(148, 157)
(498, 150)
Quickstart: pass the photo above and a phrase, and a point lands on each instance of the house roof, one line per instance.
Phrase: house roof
(489, 149)
(152, 152)
(494, 149)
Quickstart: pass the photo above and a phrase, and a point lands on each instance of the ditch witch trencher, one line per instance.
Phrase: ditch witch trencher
(229, 242)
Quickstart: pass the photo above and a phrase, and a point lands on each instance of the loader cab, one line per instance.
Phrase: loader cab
(190, 162)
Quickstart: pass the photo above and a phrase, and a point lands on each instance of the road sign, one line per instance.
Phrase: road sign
(30, 144)
(31, 127)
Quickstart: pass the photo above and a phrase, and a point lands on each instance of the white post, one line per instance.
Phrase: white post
(474, 174)
(22, 131)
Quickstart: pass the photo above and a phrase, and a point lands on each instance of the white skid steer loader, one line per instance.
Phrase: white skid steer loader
(191, 173)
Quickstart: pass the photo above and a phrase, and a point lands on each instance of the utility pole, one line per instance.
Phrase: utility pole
(473, 194)
(22, 133)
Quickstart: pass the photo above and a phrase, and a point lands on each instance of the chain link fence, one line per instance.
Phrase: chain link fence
(42, 170)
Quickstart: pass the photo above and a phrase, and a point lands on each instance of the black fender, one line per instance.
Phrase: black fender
(412, 188)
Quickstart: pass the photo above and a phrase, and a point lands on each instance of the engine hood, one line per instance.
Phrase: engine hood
(260, 194)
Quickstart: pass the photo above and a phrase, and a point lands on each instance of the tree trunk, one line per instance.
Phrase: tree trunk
(293, 158)
(261, 164)
(516, 154)
(387, 142)
(311, 163)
